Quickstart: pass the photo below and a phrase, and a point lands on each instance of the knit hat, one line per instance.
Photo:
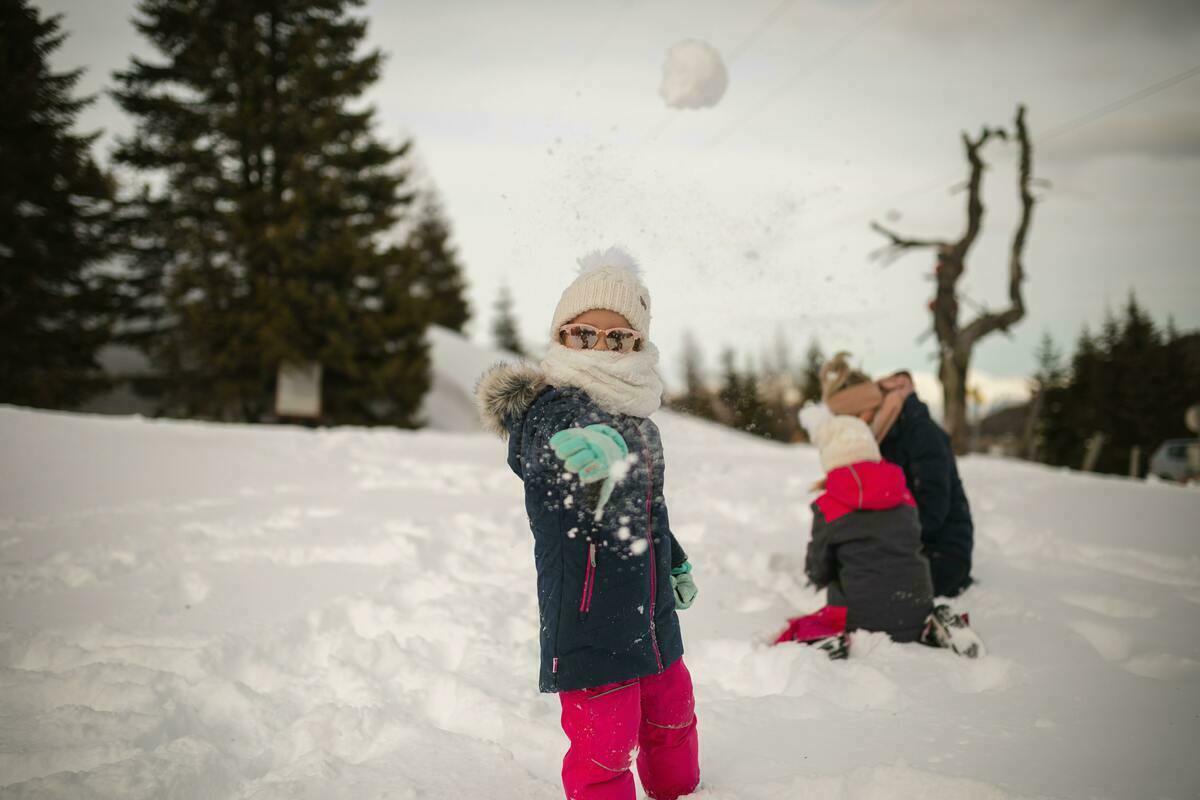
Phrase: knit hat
(608, 280)
(846, 390)
(842, 440)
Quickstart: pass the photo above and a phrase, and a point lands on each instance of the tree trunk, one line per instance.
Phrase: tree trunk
(1029, 436)
(953, 374)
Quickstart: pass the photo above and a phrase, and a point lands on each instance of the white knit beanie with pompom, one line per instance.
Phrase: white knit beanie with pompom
(844, 441)
(609, 280)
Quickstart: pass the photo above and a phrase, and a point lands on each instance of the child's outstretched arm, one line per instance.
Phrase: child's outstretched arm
(592, 453)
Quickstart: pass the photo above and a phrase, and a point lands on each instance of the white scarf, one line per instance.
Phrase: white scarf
(620, 383)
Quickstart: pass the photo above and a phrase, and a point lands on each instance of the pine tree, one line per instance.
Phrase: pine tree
(810, 383)
(440, 277)
(731, 391)
(56, 303)
(754, 414)
(1131, 384)
(1045, 421)
(261, 244)
(697, 398)
(1143, 397)
(505, 332)
(779, 392)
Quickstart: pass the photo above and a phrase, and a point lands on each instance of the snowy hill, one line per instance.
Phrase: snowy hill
(205, 611)
(456, 364)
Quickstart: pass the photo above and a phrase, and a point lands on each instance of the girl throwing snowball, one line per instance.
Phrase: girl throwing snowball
(610, 573)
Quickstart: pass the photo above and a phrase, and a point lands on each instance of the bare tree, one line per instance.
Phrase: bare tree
(956, 341)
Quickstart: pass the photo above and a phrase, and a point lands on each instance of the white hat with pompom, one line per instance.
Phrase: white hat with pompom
(608, 279)
(842, 440)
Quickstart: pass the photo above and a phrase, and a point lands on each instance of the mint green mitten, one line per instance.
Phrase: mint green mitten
(683, 586)
(591, 453)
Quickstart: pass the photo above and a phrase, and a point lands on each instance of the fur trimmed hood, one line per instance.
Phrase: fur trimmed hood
(506, 391)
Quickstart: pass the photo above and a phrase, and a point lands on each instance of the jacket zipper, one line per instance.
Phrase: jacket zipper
(589, 583)
(650, 542)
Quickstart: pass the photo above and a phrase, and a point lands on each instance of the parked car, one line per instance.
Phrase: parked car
(1177, 460)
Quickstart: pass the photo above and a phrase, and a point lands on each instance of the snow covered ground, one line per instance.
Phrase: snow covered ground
(206, 611)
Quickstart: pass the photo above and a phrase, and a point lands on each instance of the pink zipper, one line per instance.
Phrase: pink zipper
(589, 581)
(650, 541)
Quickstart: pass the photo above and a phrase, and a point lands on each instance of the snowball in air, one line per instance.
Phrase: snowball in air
(694, 75)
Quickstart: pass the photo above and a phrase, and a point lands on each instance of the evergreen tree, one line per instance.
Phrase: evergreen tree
(1045, 405)
(740, 398)
(261, 244)
(55, 208)
(1050, 372)
(730, 392)
(810, 381)
(1142, 394)
(779, 392)
(505, 332)
(1130, 384)
(697, 398)
(755, 414)
(440, 278)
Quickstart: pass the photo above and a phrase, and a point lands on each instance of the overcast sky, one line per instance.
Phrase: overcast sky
(541, 127)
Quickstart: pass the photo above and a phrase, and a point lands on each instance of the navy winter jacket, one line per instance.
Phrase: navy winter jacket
(922, 449)
(604, 593)
(866, 547)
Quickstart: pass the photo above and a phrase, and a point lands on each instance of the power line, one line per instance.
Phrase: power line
(1061, 129)
(1117, 105)
(739, 50)
(771, 18)
(875, 15)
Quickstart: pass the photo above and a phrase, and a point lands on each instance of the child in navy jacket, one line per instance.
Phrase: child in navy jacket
(866, 546)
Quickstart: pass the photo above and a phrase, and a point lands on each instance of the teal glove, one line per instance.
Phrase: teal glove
(683, 586)
(591, 453)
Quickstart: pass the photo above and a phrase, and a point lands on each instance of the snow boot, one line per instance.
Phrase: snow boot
(836, 647)
(944, 628)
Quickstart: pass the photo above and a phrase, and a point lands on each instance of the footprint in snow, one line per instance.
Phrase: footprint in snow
(1110, 643)
(1110, 606)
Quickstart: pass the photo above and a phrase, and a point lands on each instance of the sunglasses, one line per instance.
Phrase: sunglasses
(586, 337)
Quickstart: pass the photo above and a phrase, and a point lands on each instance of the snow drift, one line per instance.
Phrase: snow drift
(209, 611)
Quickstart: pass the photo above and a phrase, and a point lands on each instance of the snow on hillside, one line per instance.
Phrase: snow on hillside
(457, 364)
(208, 611)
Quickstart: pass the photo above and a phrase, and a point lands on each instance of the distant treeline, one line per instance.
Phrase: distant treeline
(1123, 392)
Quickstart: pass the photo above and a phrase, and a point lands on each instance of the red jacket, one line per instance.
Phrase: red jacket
(866, 547)
(869, 485)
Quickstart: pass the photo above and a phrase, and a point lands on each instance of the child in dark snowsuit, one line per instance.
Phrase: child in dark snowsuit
(866, 547)
(610, 573)
(909, 438)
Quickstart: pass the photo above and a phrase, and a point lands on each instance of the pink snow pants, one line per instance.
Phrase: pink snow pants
(653, 716)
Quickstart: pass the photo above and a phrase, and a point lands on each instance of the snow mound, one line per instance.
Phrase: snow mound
(694, 76)
(456, 364)
(205, 611)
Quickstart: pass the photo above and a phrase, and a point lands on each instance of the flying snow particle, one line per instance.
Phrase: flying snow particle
(694, 75)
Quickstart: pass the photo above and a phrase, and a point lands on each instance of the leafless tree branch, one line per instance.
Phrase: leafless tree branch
(956, 343)
(986, 323)
(898, 245)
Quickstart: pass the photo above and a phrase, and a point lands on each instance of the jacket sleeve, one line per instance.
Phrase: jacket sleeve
(820, 564)
(678, 554)
(930, 461)
(537, 462)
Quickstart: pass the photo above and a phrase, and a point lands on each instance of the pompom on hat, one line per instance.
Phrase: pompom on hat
(841, 440)
(610, 280)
